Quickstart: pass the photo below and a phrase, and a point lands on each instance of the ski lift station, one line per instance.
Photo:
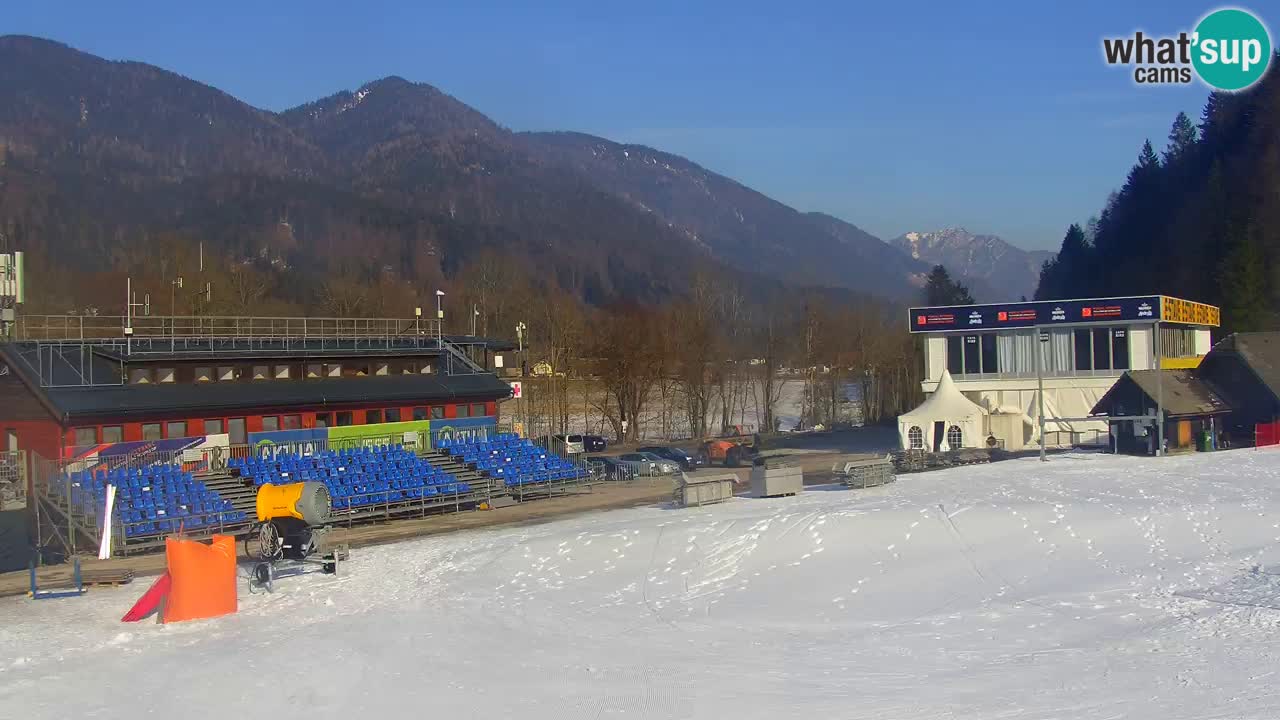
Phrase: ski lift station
(1001, 369)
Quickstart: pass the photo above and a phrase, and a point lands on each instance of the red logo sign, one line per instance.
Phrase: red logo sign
(922, 319)
(1002, 316)
(1086, 312)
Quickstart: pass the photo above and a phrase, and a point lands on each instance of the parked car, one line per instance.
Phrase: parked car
(609, 468)
(685, 460)
(593, 443)
(567, 444)
(662, 466)
(648, 464)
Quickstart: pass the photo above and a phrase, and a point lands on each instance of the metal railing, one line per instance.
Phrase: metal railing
(70, 340)
(107, 327)
(71, 505)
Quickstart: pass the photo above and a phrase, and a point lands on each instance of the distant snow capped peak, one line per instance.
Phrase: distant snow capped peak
(1011, 271)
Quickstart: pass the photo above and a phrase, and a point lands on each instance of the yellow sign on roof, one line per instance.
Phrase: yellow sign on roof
(1191, 313)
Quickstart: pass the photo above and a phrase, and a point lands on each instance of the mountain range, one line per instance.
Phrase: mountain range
(101, 160)
(994, 268)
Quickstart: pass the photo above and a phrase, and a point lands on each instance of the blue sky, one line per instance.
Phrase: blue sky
(895, 116)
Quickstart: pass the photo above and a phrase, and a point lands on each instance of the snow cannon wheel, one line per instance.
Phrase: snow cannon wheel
(264, 542)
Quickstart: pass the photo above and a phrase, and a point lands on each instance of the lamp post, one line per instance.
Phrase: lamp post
(475, 313)
(524, 417)
(439, 317)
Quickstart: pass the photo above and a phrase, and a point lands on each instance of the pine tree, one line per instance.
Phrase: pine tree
(940, 289)
(1182, 138)
(1243, 279)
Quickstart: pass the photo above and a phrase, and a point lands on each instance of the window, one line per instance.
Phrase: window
(150, 431)
(140, 376)
(204, 374)
(477, 409)
(381, 369)
(282, 372)
(461, 410)
(425, 368)
(1101, 349)
(291, 422)
(261, 372)
(393, 415)
(226, 373)
(333, 370)
(86, 436)
(1083, 349)
(323, 420)
(419, 413)
(314, 370)
(437, 412)
(344, 419)
(915, 437)
(270, 423)
(372, 417)
(1177, 342)
(954, 437)
(955, 354)
(213, 427)
(1120, 349)
(971, 356)
(988, 346)
(175, 429)
(164, 375)
(112, 434)
(235, 431)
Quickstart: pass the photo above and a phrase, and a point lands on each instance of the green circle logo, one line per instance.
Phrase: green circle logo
(1232, 49)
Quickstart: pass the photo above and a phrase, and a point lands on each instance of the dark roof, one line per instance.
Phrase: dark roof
(111, 398)
(1183, 394)
(1260, 351)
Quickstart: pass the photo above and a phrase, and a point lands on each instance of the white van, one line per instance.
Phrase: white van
(568, 444)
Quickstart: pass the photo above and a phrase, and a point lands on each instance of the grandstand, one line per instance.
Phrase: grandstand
(186, 417)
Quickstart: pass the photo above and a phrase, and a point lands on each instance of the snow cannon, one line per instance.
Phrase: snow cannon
(306, 502)
(289, 517)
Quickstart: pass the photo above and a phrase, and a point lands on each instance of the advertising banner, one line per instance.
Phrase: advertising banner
(303, 442)
(1192, 313)
(463, 429)
(413, 433)
(1049, 312)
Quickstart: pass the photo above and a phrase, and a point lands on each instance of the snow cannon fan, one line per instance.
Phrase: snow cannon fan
(289, 517)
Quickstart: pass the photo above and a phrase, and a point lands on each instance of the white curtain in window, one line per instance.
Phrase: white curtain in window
(1017, 352)
(1060, 357)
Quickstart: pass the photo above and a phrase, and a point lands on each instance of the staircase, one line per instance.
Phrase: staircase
(480, 482)
(240, 491)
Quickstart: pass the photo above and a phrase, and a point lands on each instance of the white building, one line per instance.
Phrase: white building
(999, 355)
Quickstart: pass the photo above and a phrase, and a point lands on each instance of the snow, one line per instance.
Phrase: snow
(1087, 587)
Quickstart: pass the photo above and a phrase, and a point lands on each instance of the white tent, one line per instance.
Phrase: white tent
(957, 421)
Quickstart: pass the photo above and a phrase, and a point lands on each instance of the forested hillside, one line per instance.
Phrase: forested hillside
(1199, 220)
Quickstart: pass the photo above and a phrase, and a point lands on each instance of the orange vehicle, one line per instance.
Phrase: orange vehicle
(728, 453)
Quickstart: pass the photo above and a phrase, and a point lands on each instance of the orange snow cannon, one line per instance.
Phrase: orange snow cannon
(308, 502)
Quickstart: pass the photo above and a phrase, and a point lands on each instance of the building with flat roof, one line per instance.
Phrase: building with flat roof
(239, 382)
(1000, 356)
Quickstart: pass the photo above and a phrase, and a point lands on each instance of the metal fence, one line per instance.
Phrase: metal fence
(13, 480)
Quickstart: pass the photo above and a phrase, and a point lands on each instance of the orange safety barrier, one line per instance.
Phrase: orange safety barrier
(202, 578)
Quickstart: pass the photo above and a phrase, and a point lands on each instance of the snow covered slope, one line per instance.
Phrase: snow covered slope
(1088, 587)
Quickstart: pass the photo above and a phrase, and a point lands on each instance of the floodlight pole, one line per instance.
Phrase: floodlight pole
(1159, 390)
(1041, 339)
